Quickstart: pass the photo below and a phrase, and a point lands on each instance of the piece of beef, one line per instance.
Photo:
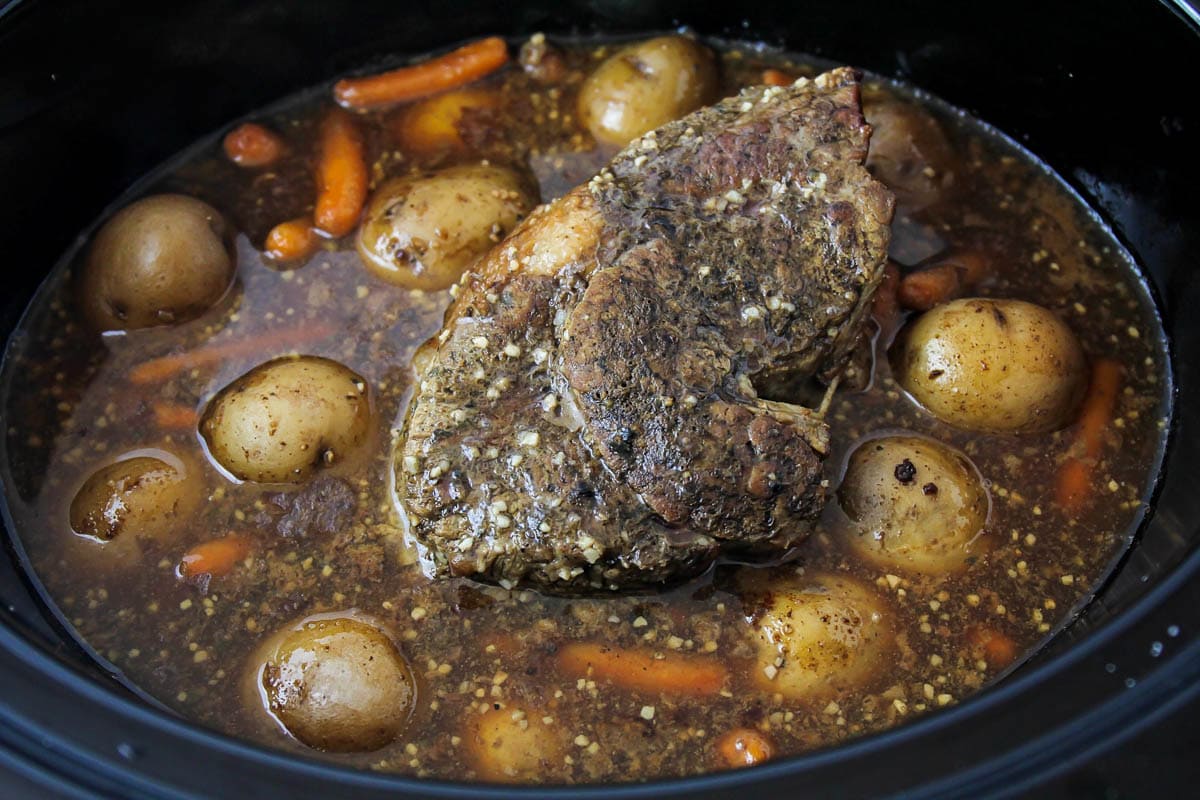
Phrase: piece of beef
(590, 416)
(324, 506)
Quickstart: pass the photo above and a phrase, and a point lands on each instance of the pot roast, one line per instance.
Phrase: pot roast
(594, 415)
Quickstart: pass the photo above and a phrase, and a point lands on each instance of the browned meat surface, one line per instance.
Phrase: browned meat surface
(589, 417)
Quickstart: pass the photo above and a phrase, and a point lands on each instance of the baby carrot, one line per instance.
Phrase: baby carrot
(998, 650)
(252, 145)
(174, 416)
(1075, 476)
(294, 240)
(341, 174)
(160, 369)
(744, 747)
(641, 670)
(775, 77)
(216, 557)
(450, 71)
(924, 289)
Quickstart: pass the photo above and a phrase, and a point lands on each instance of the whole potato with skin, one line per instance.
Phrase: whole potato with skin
(339, 684)
(914, 504)
(164, 259)
(424, 232)
(282, 419)
(1003, 366)
(504, 750)
(143, 497)
(817, 634)
(909, 152)
(647, 85)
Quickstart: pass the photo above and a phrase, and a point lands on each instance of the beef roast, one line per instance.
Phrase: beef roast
(592, 415)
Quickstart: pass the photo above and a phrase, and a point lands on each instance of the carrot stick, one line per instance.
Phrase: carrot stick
(927, 288)
(641, 671)
(162, 368)
(456, 68)
(1075, 476)
(775, 77)
(744, 747)
(252, 145)
(216, 557)
(174, 416)
(341, 174)
(294, 240)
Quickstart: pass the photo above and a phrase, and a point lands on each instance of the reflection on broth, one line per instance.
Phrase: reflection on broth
(206, 493)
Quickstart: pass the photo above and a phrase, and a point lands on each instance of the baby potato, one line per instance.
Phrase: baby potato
(909, 152)
(914, 503)
(647, 85)
(1003, 366)
(423, 233)
(339, 684)
(161, 260)
(511, 744)
(142, 497)
(817, 635)
(282, 419)
(431, 126)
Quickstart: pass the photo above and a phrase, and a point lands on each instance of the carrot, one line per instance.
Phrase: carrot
(640, 670)
(884, 307)
(744, 747)
(927, 288)
(998, 650)
(341, 174)
(164, 367)
(1075, 476)
(775, 77)
(450, 71)
(216, 557)
(174, 416)
(294, 240)
(252, 145)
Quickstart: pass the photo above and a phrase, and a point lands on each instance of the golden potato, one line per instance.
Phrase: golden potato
(142, 497)
(161, 260)
(431, 126)
(423, 233)
(909, 152)
(914, 504)
(818, 634)
(1004, 366)
(647, 85)
(282, 419)
(338, 684)
(512, 744)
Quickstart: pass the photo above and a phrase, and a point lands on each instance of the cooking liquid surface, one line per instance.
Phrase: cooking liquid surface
(337, 544)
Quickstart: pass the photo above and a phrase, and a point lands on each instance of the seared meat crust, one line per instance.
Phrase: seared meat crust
(590, 416)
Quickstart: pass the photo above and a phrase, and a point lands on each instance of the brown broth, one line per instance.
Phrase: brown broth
(70, 408)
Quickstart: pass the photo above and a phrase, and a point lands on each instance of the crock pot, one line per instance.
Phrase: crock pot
(94, 93)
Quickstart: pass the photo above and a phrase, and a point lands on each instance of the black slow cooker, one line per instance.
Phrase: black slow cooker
(95, 93)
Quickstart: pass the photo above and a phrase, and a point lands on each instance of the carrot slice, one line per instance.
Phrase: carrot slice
(776, 77)
(252, 145)
(341, 174)
(1075, 476)
(216, 557)
(174, 416)
(454, 69)
(927, 288)
(160, 369)
(744, 747)
(294, 240)
(641, 670)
